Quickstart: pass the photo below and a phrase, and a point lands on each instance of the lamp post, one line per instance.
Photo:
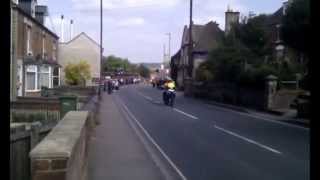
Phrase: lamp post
(101, 49)
(190, 43)
(169, 54)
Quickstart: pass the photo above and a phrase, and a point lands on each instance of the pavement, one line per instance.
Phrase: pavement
(140, 138)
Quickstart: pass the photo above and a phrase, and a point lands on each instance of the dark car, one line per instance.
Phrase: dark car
(302, 104)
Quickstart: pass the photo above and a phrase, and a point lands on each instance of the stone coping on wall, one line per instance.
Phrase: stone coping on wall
(62, 140)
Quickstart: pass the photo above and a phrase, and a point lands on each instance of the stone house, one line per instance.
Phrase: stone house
(81, 47)
(205, 38)
(33, 50)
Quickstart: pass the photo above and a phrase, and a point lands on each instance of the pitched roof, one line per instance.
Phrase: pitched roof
(205, 37)
(78, 36)
(275, 18)
(16, 7)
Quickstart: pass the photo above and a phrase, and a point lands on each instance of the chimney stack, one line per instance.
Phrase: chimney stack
(231, 17)
(41, 13)
(71, 29)
(62, 29)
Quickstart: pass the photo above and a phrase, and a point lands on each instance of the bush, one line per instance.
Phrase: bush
(255, 77)
(77, 74)
(203, 73)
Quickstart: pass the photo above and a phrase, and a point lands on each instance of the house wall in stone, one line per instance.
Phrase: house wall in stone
(80, 48)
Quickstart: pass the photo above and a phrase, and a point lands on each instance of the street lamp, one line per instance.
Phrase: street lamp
(101, 17)
(169, 34)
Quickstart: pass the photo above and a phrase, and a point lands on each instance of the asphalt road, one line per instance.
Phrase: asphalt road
(209, 142)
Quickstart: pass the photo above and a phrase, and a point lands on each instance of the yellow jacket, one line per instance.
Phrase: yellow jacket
(171, 85)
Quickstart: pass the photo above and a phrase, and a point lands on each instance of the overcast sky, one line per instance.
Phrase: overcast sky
(136, 29)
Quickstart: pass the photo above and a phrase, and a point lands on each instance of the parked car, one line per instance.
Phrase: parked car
(302, 104)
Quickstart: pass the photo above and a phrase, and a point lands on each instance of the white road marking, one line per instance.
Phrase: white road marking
(259, 117)
(147, 97)
(184, 113)
(248, 140)
(154, 143)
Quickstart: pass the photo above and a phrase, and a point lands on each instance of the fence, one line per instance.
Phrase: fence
(30, 109)
(23, 137)
(75, 90)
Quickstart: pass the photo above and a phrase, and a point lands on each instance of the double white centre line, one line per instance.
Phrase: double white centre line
(248, 140)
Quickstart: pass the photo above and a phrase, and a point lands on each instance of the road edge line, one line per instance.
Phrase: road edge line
(145, 132)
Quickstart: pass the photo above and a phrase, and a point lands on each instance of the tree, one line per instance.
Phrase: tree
(115, 64)
(226, 62)
(295, 30)
(77, 74)
(253, 35)
(144, 71)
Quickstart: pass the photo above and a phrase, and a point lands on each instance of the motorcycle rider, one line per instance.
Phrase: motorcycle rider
(170, 87)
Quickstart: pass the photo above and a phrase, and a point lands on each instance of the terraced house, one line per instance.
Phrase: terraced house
(34, 50)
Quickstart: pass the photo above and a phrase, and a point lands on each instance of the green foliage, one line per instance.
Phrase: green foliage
(288, 71)
(226, 62)
(144, 71)
(204, 73)
(305, 82)
(248, 44)
(253, 35)
(295, 30)
(77, 74)
(116, 64)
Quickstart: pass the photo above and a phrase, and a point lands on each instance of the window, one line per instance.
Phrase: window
(55, 76)
(31, 78)
(54, 50)
(44, 77)
(43, 45)
(29, 40)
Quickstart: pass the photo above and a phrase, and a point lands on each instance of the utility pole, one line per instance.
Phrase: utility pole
(71, 29)
(164, 53)
(190, 58)
(169, 54)
(101, 49)
(62, 29)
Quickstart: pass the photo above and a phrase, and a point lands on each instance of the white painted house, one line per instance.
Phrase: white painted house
(81, 47)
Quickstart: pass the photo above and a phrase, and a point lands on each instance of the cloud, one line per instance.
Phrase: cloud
(214, 10)
(131, 22)
(94, 5)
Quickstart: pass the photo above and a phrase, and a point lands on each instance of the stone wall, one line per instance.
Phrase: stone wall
(231, 94)
(268, 98)
(63, 154)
